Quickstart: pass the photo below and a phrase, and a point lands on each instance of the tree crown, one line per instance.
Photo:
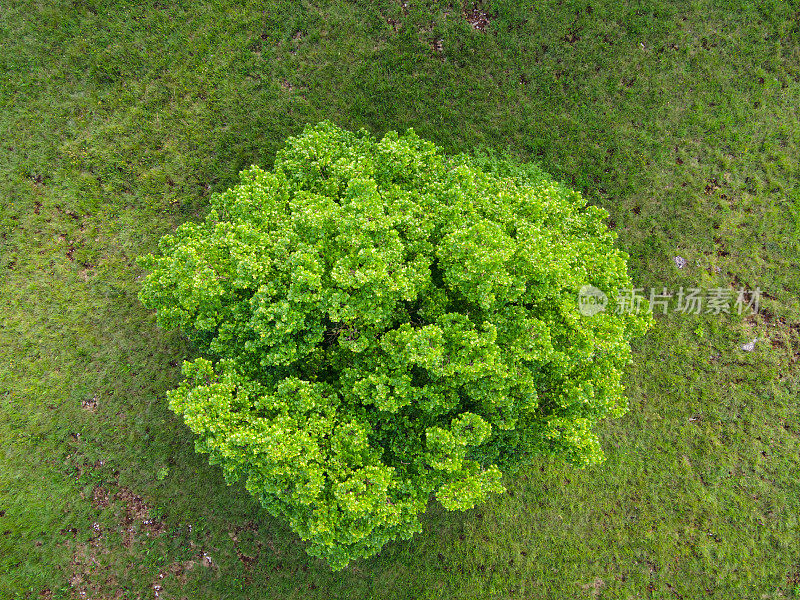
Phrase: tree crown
(380, 322)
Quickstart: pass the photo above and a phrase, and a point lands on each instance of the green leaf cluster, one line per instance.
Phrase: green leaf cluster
(380, 322)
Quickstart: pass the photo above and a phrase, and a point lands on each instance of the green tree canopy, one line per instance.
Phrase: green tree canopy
(380, 322)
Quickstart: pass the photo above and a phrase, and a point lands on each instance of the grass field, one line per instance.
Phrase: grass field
(119, 119)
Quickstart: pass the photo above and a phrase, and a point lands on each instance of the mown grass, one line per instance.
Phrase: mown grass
(117, 120)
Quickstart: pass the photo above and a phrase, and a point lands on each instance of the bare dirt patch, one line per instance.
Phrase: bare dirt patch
(88, 578)
(100, 497)
(136, 512)
(90, 404)
(477, 17)
(89, 575)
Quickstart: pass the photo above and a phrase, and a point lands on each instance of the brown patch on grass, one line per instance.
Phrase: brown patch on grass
(711, 186)
(247, 560)
(90, 405)
(595, 586)
(100, 497)
(67, 212)
(178, 571)
(672, 589)
(783, 336)
(426, 36)
(88, 578)
(477, 18)
(136, 511)
(793, 578)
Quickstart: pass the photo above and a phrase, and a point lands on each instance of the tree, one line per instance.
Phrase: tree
(380, 322)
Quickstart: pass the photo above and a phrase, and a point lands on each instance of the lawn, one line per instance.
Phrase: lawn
(681, 119)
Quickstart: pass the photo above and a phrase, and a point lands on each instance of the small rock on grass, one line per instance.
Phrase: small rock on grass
(749, 346)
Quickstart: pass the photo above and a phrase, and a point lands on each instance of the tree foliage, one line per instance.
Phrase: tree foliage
(380, 322)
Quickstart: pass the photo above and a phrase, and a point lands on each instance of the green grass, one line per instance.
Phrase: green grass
(116, 123)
